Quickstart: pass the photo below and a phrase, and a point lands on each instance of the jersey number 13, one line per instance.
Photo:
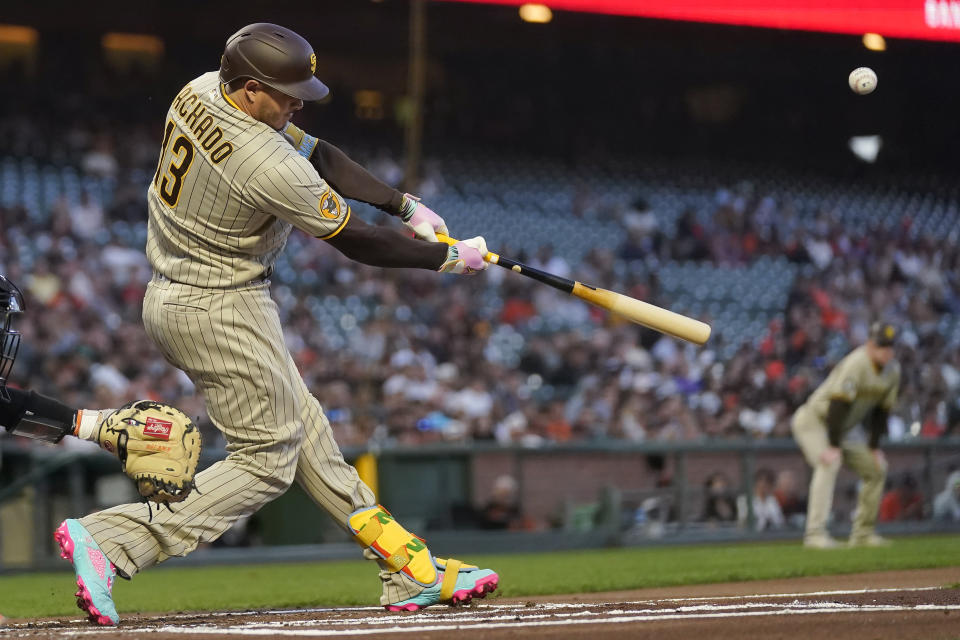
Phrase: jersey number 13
(169, 182)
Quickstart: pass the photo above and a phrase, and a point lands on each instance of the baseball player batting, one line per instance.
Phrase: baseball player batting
(861, 388)
(233, 179)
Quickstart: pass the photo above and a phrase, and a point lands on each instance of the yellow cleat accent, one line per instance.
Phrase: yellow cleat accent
(450, 574)
(399, 549)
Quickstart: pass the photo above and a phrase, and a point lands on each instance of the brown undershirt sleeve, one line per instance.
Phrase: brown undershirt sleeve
(385, 247)
(352, 181)
(836, 415)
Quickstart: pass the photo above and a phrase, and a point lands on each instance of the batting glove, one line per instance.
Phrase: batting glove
(421, 219)
(466, 257)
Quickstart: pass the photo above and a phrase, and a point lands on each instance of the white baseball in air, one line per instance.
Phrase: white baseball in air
(863, 80)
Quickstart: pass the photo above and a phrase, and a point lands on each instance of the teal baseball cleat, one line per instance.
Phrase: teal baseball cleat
(95, 573)
(457, 583)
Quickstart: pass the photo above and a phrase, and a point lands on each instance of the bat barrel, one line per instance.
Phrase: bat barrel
(638, 311)
(646, 314)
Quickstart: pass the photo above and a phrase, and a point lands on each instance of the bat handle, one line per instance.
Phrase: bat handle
(490, 257)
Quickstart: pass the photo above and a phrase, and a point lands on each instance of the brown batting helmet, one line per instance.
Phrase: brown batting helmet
(276, 57)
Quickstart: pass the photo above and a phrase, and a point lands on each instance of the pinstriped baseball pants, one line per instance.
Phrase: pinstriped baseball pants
(230, 343)
(811, 434)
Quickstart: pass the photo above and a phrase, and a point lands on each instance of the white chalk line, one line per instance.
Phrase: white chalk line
(207, 614)
(317, 633)
(267, 612)
(543, 605)
(839, 592)
(474, 617)
(480, 622)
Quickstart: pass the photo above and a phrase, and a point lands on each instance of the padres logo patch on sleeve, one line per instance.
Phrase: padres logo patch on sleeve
(849, 387)
(330, 205)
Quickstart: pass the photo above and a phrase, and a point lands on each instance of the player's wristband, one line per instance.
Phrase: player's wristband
(408, 206)
(302, 141)
(87, 424)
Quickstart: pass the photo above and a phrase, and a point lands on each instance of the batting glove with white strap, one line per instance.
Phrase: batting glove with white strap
(466, 257)
(421, 219)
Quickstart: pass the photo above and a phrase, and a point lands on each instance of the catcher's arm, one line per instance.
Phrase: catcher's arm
(34, 415)
(157, 444)
(30, 414)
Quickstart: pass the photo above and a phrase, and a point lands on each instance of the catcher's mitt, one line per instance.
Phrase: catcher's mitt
(158, 446)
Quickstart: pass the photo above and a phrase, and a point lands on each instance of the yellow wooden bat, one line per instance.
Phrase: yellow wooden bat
(643, 313)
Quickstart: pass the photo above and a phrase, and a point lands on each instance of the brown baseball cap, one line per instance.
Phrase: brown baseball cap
(883, 334)
(276, 56)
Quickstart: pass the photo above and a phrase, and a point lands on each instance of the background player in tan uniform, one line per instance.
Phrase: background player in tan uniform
(861, 388)
(232, 181)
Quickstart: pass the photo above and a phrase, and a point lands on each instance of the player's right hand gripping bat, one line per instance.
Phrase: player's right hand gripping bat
(642, 313)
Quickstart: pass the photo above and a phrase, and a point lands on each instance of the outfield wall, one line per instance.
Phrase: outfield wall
(550, 478)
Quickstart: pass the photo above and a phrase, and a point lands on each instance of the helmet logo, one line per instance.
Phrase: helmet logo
(313, 63)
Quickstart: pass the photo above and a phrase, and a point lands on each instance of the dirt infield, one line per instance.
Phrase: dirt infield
(902, 604)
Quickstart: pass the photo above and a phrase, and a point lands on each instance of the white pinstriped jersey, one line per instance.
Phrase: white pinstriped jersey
(856, 380)
(227, 192)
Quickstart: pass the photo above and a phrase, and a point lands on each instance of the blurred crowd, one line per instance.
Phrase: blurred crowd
(852, 277)
(777, 501)
(432, 359)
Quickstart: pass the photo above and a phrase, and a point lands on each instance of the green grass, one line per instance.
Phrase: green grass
(354, 583)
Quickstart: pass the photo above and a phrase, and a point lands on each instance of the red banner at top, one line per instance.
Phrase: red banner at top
(920, 19)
